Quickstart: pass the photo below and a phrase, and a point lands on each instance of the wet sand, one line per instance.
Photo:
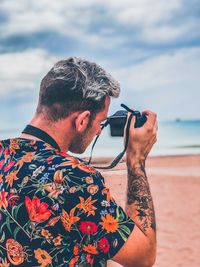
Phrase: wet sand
(175, 187)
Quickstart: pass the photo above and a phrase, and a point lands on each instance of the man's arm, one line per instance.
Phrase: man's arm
(140, 248)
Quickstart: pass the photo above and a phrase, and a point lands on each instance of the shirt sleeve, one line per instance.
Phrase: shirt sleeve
(99, 227)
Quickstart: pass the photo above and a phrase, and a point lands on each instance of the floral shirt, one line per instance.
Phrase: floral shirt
(55, 209)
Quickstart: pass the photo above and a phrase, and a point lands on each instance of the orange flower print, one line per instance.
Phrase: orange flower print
(37, 211)
(15, 252)
(54, 189)
(90, 249)
(11, 177)
(1, 178)
(106, 192)
(89, 180)
(28, 157)
(43, 257)
(58, 177)
(86, 205)
(73, 261)
(72, 189)
(46, 233)
(14, 145)
(75, 163)
(69, 219)
(53, 221)
(3, 199)
(109, 223)
(92, 189)
(86, 168)
(71, 161)
(57, 240)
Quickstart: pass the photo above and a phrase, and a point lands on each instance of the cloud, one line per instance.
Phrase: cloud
(167, 84)
(104, 24)
(20, 72)
(169, 71)
(148, 45)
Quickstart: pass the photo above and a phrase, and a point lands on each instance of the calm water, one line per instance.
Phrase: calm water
(173, 138)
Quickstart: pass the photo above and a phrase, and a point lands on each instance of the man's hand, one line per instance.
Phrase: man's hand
(141, 139)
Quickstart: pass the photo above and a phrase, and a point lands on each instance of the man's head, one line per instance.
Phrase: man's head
(76, 85)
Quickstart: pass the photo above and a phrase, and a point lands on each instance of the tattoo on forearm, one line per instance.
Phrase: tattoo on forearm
(139, 195)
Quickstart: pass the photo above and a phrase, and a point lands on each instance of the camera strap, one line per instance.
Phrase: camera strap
(119, 157)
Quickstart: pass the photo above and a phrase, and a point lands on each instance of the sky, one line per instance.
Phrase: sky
(152, 47)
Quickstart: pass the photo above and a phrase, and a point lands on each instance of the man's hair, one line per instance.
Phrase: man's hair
(73, 85)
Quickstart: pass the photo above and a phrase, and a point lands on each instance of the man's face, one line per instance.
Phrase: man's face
(82, 141)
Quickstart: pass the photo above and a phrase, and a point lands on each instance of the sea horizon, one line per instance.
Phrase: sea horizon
(177, 137)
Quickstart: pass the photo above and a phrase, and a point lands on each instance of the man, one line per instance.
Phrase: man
(54, 209)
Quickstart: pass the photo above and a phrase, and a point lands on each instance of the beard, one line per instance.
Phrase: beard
(80, 142)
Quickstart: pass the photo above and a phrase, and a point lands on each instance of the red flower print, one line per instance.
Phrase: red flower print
(88, 228)
(9, 165)
(1, 163)
(12, 199)
(90, 259)
(37, 211)
(76, 250)
(103, 245)
(7, 152)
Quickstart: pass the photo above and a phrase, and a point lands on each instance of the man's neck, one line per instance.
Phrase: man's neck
(55, 130)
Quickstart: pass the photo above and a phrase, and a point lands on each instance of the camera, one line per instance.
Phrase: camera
(118, 121)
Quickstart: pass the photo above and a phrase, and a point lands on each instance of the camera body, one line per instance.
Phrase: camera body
(118, 121)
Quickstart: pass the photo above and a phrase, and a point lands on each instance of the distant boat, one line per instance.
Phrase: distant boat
(177, 119)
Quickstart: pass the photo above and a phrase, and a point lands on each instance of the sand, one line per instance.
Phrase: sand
(175, 187)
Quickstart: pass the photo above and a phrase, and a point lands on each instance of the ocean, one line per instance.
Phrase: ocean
(174, 138)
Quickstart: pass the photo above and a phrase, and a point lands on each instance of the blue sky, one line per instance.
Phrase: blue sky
(152, 47)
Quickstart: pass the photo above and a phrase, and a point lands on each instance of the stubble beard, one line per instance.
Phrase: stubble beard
(80, 142)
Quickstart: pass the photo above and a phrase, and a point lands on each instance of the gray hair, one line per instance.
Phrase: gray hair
(75, 84)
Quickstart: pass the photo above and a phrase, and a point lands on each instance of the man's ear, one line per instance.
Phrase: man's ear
(82, 120)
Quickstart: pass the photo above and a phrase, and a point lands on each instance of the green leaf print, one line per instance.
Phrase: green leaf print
(16, 232)
(2, 238)
(125, 229)
(123, 236)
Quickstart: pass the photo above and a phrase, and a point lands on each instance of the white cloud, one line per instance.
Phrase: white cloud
(153, 20)
(144, 12)
(23, 70)
(178, 70)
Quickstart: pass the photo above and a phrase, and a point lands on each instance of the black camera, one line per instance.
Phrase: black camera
(118, 121)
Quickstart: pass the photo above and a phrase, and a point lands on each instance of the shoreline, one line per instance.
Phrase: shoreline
(101, 159)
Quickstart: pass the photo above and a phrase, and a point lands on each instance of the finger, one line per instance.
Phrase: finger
(151, 117)
(155, 128)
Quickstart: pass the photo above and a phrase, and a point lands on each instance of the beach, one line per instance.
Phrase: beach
(175, 187)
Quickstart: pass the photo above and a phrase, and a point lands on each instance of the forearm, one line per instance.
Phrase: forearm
(139, 204)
